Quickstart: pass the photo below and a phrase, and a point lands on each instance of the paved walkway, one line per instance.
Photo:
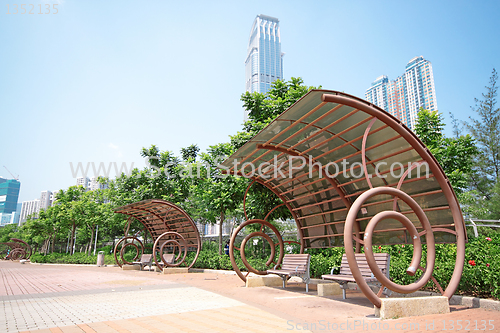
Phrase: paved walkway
(55, 298)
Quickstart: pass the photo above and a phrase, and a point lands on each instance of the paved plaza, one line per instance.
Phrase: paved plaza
(65, 298)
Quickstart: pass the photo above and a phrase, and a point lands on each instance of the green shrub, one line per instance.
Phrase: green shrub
(323, 260)
(64, 258)
(481, 273)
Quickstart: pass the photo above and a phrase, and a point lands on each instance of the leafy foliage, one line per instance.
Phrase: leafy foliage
(455, 155)
(486, 131)
(264, 108)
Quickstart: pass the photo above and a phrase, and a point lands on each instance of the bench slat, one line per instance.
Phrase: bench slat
(381, 260)
(347, 278)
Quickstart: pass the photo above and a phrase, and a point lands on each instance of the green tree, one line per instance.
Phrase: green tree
(486, 131)
(264, 108)
(455, 155)
(190, 153)
(7, 232)
(68, 213)
(161, 179)
(217, 196)
(93, 211)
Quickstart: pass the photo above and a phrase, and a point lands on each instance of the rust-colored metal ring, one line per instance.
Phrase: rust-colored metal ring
(27, 248)
(348, 234)
(124, 239)
(122, 253)
(183, 245)
(176, 245)
(233, 239)
(17, 254)
(417, 253)
(242, 251)
(182, 249)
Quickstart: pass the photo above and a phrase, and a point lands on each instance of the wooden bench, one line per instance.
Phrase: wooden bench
(294, 265)
(345, 276)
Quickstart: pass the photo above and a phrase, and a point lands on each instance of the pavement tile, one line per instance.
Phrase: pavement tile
(59, 299)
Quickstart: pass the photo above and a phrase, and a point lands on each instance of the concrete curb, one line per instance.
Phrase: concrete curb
(468, 301)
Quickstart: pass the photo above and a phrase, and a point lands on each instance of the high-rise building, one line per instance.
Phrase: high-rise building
(9, 193)
(90, 184)
(53, 197)
(404, 96)
(83, 181)
(264, 61)
(32, 208)
(45, 199)
(29, 208)
(95, 185)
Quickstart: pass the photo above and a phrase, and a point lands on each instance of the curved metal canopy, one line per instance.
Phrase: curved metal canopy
(159, 217)
(296, 158)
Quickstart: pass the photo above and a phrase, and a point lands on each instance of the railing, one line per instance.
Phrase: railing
(474, 224)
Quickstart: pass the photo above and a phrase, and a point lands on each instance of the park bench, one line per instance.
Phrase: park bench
(294, 265)
(345, 275)
(145, 260)
(169, 257)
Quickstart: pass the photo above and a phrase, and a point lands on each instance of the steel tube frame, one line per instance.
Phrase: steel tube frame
(344, 194)
(436, 170)
(172, 213)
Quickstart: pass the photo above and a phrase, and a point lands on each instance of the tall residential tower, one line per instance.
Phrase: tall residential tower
(264, 62)
(404, 96)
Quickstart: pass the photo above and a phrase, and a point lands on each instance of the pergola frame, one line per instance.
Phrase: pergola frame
(169, 226)
(325, 128)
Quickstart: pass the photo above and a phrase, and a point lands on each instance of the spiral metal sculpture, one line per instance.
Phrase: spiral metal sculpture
(125, 242)
(170, 243)
(18, 249)
(272, 237)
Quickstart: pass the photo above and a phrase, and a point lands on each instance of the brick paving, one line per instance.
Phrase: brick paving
(55, 299)
(34, 279)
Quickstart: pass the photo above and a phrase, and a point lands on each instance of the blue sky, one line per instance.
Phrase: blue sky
(101, 79)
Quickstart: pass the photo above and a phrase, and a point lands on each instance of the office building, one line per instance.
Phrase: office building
(264, 61)
(9, 193)
(404, 96)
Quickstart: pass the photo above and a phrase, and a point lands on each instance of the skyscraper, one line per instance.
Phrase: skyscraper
(264, 62)
(404, 96)
(9, 193)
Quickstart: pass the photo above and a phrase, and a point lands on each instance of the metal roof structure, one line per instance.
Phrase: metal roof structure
(169, 226)
(343, 166)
